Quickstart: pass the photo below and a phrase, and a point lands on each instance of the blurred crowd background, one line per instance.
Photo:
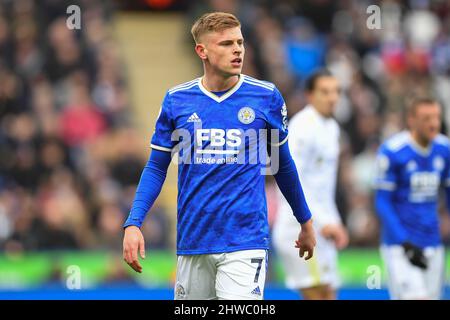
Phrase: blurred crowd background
(71, 155)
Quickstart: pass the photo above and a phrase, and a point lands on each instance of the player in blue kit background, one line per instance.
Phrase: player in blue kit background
(212, 125)
(412, 165)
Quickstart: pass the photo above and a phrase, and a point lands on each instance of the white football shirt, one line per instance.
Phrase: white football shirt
(314, 145)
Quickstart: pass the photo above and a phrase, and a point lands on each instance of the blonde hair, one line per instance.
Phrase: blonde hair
(213, 22)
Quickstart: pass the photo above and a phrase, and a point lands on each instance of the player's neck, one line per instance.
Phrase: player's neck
(322, 113)
(216, 83)
(424, 143)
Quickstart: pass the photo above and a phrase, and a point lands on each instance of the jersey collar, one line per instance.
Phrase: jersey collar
(225, 95)
(424, 151)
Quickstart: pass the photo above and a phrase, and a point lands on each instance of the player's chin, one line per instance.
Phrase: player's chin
(432, 134)
(235, 69)
(231, 73)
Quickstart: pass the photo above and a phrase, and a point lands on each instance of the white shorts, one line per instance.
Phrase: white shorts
(238, 275)
(406, 281)
(321, 269)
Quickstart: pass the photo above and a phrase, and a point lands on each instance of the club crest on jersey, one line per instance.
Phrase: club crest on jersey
(246, 115)
(438, 163)
(411, 165)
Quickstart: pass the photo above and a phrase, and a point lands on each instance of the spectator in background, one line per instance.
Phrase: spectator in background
(80, 119)
(69, 155)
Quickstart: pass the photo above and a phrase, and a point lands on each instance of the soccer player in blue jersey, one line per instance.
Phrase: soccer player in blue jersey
(412, 165)
(212, 125)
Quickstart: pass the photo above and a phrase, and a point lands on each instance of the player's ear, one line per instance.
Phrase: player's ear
(201, 51)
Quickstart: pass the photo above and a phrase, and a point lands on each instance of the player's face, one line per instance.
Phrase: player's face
(224, 51)
(325, 95)
(426, 121)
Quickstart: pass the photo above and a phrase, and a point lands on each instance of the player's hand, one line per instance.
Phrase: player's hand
(415, 255)
(306, 240)
(337, 233)
(133, 241)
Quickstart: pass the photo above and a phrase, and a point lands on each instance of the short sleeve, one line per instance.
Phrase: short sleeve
(162, 136)
(277, 118)
(385, 176)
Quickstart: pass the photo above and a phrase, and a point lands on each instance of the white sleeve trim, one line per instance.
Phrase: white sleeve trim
(160, 148)
(280, 143)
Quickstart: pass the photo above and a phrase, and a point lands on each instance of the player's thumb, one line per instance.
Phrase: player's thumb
(142, 248)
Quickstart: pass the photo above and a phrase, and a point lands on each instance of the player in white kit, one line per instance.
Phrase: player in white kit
(314, 143)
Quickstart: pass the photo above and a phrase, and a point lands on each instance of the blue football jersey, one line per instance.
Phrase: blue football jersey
(221, 152)
(414, 176)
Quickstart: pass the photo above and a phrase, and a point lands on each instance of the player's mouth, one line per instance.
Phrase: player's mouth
(236, 63)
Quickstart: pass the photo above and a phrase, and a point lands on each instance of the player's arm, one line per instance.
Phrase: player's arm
(385, 186)
(287, 177)
(446, 183)
(384, 206)
(332, 226)
(149, 187)
(386, 211)
(289, 183)
(447, 196)
(301, 144)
